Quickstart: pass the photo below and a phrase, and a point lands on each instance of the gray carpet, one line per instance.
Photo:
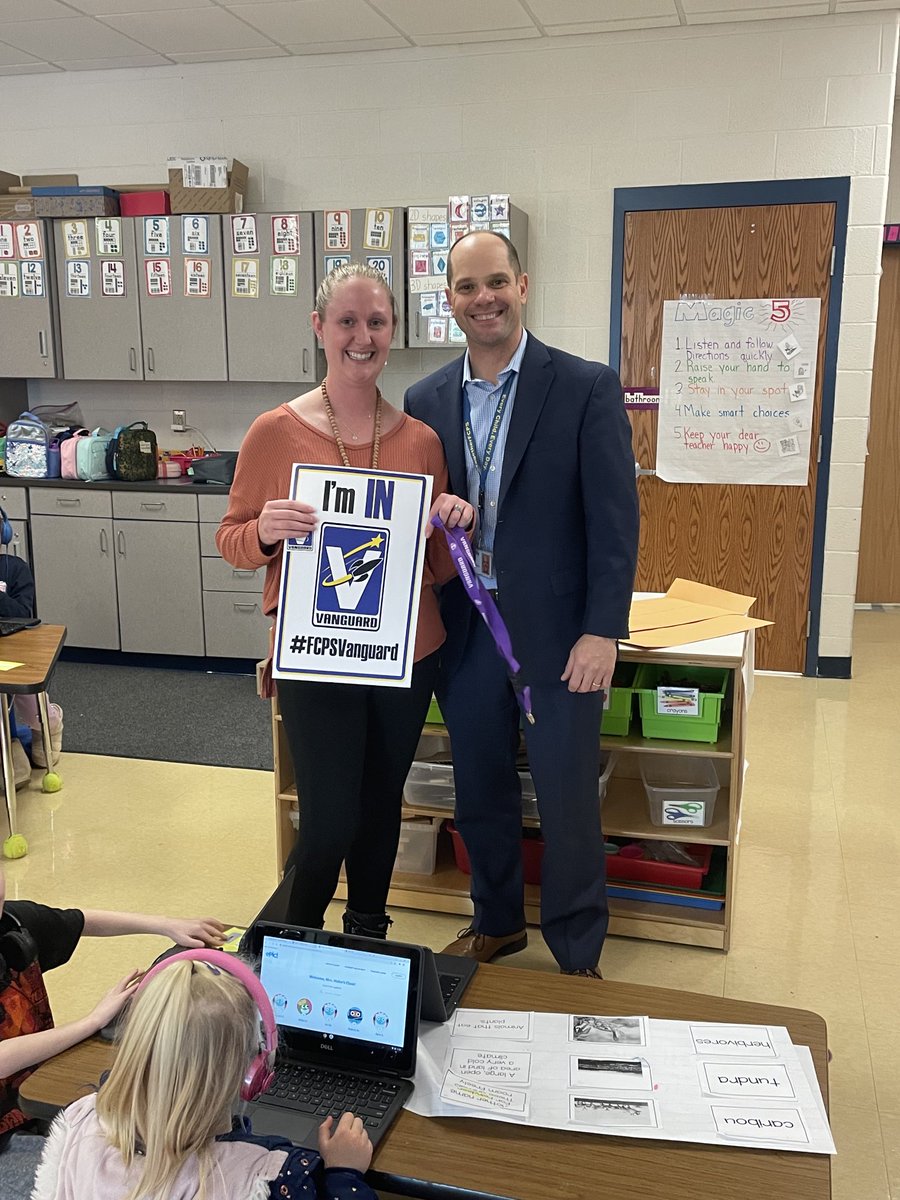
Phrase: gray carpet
(179, 716)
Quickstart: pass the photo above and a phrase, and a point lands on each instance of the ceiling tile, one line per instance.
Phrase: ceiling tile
(112, 64)
(477, 35)
(32, 10)
(462, 16)
(185, 32)
(392, 43)
(104, 8)
(199, 56)
(36, 68)
(816, 8)
(11, 56)
(301, 21)
(611, 26)
(589, 12)
(78, 37)
(734, 9)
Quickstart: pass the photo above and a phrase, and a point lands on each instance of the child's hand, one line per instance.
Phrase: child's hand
(346, 1144)
(195, 932)
(114, 1001)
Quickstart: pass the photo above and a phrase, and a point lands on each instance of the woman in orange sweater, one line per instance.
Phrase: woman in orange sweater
(351, 744)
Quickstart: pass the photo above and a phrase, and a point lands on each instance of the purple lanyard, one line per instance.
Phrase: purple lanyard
(461, 553)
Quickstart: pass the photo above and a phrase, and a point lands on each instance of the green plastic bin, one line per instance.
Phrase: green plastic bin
(434, 716)
(617, 718)
(677, 726)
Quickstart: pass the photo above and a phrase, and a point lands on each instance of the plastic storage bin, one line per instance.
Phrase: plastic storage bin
(681, 789)
(430, 785)
(617, 716)
(532, 855)
(417, 850)
(434, 715)
(632, 864)
(701, 728)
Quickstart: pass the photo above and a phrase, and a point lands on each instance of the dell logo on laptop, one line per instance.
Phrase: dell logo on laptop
(325, 1046)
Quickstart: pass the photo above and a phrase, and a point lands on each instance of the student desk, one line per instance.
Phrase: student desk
(37, 650)
(440, 1158)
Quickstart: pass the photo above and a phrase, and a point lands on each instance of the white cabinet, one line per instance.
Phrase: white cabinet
(236, 626)
(121, 570)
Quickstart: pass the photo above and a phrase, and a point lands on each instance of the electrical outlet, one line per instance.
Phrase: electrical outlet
(179, 420)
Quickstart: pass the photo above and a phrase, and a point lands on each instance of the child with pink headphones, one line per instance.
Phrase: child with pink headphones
(200, 1032)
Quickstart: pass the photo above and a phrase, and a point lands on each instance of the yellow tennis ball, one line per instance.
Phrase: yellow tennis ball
(15, 846)
(51, 782)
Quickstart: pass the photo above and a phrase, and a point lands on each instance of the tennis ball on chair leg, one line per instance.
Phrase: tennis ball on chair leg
(15, 846)
(51, 782)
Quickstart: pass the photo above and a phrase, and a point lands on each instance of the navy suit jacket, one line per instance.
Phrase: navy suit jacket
(567, 522)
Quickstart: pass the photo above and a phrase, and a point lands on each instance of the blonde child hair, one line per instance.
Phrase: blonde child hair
(190, 1034)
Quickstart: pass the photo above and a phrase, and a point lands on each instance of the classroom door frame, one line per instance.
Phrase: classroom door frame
(834, 191)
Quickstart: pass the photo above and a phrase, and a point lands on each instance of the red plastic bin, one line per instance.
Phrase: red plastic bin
(636, 869)
(144, 204)
(532, 855)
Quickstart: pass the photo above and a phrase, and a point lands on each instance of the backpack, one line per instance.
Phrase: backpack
(68, 458)
(132, 454)
(27, 447)
(90, 455)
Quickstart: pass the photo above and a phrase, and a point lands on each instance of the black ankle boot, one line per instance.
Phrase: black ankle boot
(371, 925)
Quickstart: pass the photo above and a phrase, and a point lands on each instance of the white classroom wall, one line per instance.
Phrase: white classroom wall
(556, 123)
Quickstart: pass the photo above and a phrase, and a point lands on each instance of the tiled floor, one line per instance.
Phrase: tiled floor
(818, 908)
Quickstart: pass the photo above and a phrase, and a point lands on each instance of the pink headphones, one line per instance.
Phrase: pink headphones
(261, 1071)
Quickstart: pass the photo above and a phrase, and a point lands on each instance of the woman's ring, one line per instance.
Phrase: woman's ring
(457, 508)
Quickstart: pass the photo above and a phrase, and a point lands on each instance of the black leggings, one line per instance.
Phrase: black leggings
(351, 746)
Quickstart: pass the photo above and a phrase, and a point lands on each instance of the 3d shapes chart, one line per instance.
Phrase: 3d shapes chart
(633, 1076)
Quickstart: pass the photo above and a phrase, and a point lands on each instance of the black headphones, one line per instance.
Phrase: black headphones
(18, 949)
(6, 530)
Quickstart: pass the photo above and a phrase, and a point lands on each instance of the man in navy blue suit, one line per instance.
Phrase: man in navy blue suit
(539, 441)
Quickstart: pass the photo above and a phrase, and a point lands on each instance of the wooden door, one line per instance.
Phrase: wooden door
(751, 539)
(879, 541)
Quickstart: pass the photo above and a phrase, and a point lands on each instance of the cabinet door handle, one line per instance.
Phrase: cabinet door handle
(132, 358)
(239, 574)
(120, 541)
(152, 505)
(418, 326)
(42, 343)
(245, 608)
(104, 542)
(151, 360)
(305, 362)
(67, 501)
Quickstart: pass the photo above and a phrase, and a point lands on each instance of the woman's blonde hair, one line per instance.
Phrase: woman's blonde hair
(187, 1042)
(344, 273)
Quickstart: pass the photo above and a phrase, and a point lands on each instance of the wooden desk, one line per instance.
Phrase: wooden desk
(488, 1158)
(37, 650)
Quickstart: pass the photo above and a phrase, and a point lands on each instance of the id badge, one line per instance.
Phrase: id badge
(485, 561)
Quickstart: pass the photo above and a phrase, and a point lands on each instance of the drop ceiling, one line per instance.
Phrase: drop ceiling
(40, 36)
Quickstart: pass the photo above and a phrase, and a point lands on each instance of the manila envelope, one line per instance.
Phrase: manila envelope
(696, 631)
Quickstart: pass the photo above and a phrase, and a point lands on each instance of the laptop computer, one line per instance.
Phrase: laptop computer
(347, 1011)
(444, 976)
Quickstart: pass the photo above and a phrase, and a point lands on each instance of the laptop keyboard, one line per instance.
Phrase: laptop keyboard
(323, 1093)
(449, 984)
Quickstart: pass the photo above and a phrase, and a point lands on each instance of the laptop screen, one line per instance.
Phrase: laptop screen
(336, 991)
(341, 1000)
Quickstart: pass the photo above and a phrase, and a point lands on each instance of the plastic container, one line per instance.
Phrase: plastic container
(417, 850)
(704, 727)
(616, 720)
(632, 864)
(681, 789)
(430, 785)
(434, 716)
(532, 855)
(144, 204)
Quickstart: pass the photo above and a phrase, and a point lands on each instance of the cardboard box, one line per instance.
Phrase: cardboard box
(75, 202)
(228, 199)
(150, 203)
(16, 200)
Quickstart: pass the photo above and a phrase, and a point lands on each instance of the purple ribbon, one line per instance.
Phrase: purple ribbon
(461, 553)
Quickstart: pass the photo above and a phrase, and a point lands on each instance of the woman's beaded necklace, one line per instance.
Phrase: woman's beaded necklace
(376, 435)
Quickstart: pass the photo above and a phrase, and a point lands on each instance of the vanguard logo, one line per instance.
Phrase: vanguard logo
(350, 579)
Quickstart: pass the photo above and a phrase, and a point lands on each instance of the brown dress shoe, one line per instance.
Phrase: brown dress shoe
(584, 972)
(483, 947)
